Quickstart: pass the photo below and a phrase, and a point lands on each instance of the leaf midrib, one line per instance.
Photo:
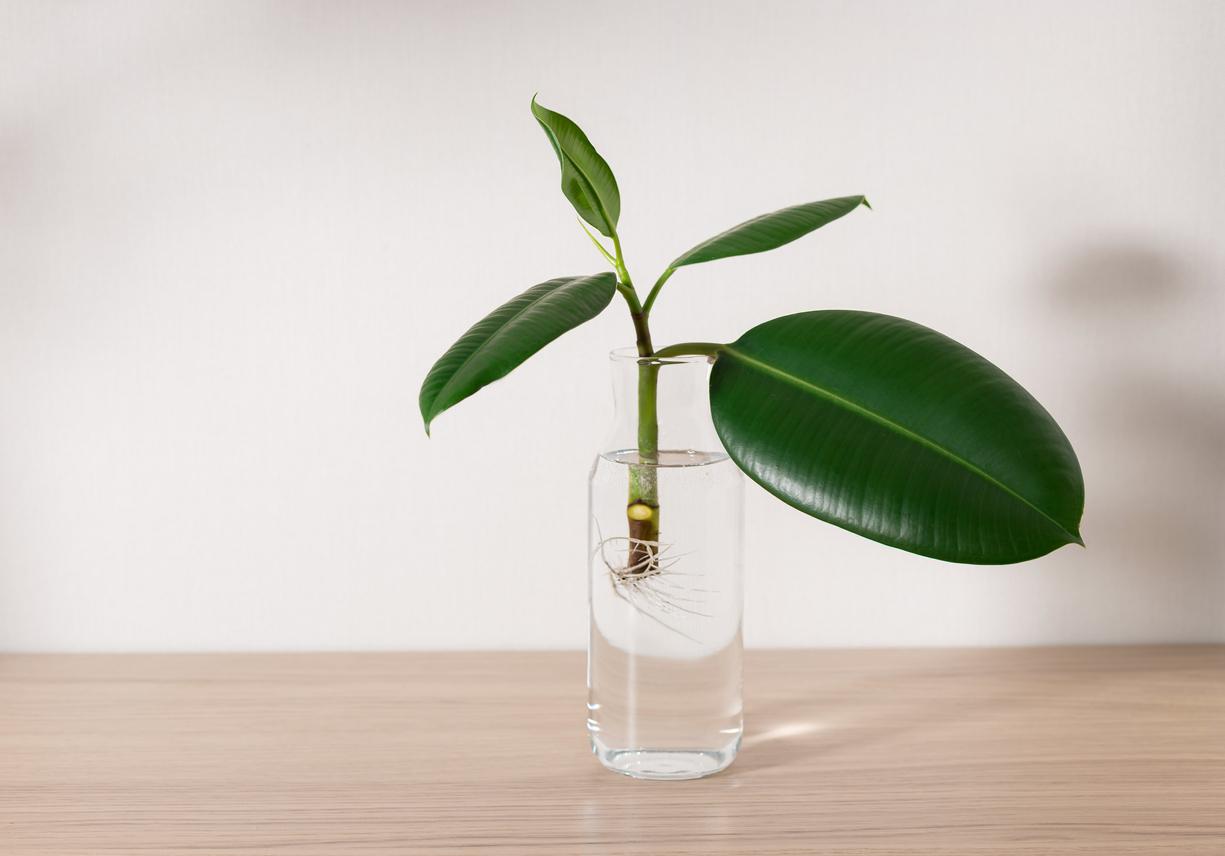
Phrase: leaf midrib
(888, 423)
(479, 348)
(685, 258)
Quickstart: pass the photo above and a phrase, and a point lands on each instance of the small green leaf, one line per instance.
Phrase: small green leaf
(897, 433)
(510, 334)
(586, 179)
(770, 230)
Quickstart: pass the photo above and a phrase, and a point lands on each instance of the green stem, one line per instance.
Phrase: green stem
(624, 284)
(659, 284)
(686, 349)
(642, 506)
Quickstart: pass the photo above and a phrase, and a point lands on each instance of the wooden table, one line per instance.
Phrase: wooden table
(1023, 751)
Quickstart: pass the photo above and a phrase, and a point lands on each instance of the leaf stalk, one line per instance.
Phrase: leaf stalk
(688, 349)
(655, 289)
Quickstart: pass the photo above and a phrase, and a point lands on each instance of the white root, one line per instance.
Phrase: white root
(650, 585)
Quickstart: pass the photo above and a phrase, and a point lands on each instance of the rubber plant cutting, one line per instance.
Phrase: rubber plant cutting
(873, 423)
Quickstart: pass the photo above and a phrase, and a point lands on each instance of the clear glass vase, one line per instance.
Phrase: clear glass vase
(666, 528)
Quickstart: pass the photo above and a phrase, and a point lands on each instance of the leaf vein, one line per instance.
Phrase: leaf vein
(889, 424)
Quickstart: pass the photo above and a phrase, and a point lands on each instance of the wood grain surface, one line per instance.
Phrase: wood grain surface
(1025, 751)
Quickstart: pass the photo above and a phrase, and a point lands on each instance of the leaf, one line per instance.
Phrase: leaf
(898, 433)
(586, 179)
(509, 335)
(770, 231)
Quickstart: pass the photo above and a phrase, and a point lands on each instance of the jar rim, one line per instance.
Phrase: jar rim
(629, 354)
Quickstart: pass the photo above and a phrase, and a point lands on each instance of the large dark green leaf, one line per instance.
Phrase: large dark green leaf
(898, 433)
(509, 335)
(586, 178)
(770, 230)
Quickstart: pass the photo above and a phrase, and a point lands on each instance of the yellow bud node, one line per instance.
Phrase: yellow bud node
(638, 511)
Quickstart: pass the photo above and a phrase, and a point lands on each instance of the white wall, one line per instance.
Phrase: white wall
(234, 237)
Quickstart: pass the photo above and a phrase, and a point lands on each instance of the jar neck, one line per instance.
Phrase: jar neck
(681, 402)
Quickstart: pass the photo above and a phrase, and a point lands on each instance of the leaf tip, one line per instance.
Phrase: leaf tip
(863, 200)
(1072, 535)
(425, 405)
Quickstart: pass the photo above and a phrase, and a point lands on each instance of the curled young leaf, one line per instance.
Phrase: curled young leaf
(586, 179)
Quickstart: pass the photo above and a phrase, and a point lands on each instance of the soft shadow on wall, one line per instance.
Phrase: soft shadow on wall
(1156, 486)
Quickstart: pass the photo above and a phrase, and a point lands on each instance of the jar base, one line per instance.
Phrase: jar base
(666, 764)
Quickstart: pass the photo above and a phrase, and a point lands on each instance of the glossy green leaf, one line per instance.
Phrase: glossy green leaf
(509, 335)
(770, 230)
(898, 433)
(586, 179)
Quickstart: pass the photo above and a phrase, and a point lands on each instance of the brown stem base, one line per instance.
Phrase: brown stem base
(644, 540)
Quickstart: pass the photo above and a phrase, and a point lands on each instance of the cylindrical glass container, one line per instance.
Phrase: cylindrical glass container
(666, 527)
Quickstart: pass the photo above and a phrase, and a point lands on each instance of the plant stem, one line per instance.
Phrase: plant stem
(659, 284)
(685, 349)
(642, 507)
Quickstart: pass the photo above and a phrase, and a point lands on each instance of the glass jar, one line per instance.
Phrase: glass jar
(666, 528)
